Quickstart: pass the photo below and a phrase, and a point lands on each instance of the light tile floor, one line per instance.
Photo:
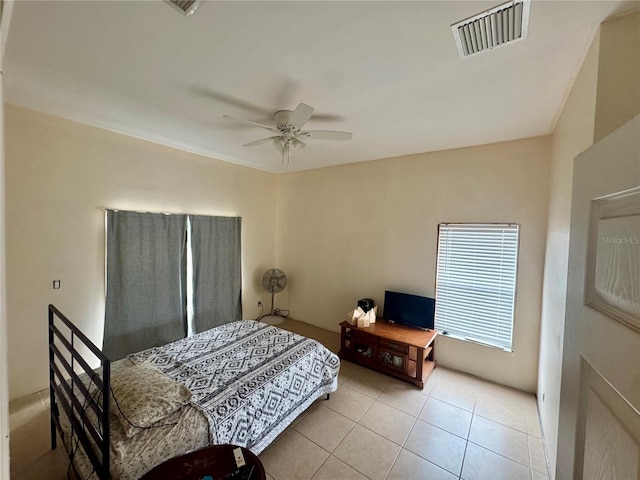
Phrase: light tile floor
(373, 427)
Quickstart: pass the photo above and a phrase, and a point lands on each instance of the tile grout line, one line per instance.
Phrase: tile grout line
(464, 457)
(335, 448)
(530, 455)
(395, 459)
(340, 443)
(415, 419)
(500, 454)
(439, 428)
(368, 429)
(466, 447)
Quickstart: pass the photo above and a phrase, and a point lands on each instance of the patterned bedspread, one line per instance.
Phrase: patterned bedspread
(250, 380)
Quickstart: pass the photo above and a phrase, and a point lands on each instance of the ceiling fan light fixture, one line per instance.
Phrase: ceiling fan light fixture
(289, 131)
(278, 144)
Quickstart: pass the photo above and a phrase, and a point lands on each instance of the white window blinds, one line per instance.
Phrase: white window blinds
(476, 282)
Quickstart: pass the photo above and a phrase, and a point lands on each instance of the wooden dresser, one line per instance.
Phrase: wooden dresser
(399, 350)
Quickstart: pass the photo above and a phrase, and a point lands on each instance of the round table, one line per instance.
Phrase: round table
(215, 461)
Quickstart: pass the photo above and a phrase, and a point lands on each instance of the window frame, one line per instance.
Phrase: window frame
(511, 235)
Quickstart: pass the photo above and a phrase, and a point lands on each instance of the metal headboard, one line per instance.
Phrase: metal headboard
(77, 397)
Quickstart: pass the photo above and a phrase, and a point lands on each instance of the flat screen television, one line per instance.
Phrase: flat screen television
(407, 309)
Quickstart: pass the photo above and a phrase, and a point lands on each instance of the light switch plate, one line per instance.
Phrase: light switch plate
(237, 453)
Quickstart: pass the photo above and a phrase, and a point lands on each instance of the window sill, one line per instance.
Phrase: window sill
(475, 341)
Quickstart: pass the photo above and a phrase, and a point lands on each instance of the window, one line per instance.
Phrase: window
(168, 275)
(476, 282)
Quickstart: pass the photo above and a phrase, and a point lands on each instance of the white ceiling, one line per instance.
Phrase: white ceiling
(387, 71)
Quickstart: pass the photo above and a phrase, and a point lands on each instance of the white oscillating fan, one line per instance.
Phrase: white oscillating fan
(273, 281)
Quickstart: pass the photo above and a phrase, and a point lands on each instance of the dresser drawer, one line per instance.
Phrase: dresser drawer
(393, 346)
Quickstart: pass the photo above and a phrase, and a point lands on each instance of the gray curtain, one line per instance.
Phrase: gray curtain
(217, 276)
(146, 290)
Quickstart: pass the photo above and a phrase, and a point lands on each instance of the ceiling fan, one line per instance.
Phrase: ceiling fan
(289, 133)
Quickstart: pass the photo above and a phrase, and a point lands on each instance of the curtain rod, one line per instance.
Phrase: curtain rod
(105, 209)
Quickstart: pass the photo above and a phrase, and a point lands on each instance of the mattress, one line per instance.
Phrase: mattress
(248, 382)
(249, 379)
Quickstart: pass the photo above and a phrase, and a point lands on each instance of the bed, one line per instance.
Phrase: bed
(241, 383)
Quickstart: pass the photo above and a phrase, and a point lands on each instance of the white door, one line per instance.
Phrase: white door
(603, 305)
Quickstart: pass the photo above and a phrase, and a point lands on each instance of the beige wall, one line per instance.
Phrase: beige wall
(618, 92)
(5, 11)
(344, 233)
(618, 97)
(59, 176)
(573, 134)
(353, 231)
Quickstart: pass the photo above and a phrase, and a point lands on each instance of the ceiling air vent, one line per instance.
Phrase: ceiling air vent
(185, 6)
(493, 28)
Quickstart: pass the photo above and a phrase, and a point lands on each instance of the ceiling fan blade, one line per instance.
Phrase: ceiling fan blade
(326, 135)
(249, 122)
(299, 145)
(229, 99)
(258, 142)
(300, 115)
